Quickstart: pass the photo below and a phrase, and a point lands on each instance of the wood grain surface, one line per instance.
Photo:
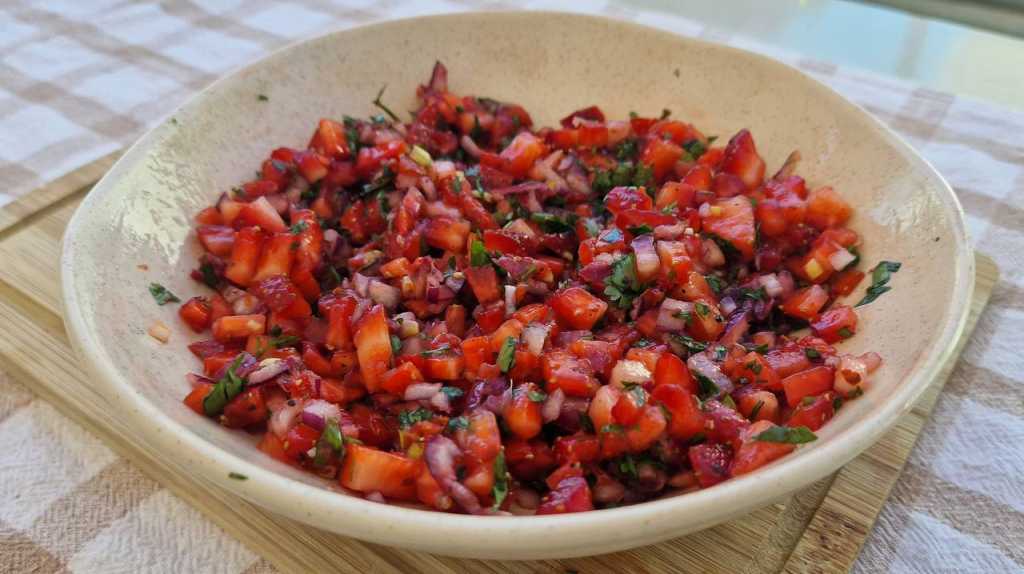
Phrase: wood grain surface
(820, 529)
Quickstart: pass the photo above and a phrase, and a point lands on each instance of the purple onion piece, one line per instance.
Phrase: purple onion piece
(195, 380)
(267, 369)
(314, 420)
(702, 364)
(440, 454)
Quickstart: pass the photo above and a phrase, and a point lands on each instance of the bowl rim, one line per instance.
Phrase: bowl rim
(274, 491)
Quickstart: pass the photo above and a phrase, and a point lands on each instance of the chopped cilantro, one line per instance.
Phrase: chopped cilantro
(695, 148)
(626, 150)
(458, 423)
(383, 181)
(209, 275)
(754, 367)
(452, 392)
(689, 343)
(715, 283)
(396, 344)
(282, 341)
(537, 396)
(622, 286)
(787, 435)
(758, 294)
(627, 466)
(611, 427)
(729, 402)
(551, 223)
(408, 418)
(641, 229)
(759, 349)
(812, 353)
(845, 333)
(701, 308)
(706, 388)
(162, 295)
(237, 476)
(262, 97)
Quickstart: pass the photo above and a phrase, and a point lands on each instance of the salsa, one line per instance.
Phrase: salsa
(484, 316)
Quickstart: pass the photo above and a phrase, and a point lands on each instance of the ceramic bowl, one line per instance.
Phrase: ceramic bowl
(141, 213)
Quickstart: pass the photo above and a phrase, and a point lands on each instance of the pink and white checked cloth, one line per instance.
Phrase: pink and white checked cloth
(80, 79)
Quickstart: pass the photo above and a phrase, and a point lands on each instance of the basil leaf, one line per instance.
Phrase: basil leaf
(787, 435)
(162, 295)
(227, 388)
(507, 355)
(880, 277)
(706, 388)
(755, 410)
(537, 396)
(458, 423)
(408, 418)
(478, 256)
(500, 489)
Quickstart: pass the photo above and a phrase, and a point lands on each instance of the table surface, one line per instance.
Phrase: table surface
(81, 79)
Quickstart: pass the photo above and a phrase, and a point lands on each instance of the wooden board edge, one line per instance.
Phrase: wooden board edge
(830, 527)
(24, 207)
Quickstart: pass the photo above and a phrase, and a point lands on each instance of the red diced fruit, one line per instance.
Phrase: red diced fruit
(577, 307)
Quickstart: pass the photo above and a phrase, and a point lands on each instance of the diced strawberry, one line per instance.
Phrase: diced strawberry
(836, 324)
(217, 239)
(260, 213)
(562, 370)
(522, 412)
(813, 381)
(687, 420)
(577, 307)
(741, 160)
(753, 454)
(733, 221)
(370, 470)
(196, 313)
(826, 208)
(813, 413)
(710, 463)
(571, 495)
(373, 346)
(805, 303)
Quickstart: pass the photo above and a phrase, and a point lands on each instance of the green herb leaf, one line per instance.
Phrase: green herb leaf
(812, 354)
(332, 435)
(162, 295)
(715, 283)
(585, 423)
(478, 256)
(706, 388)
(837, 402)
(627, 466)
(758, 294)
(396, 344)
(728, 401)
(759, 349)
(458, 423)
(299, 227)
(408, 418)
(507, 355)
(377, 102)
(227, 388)
(695, 148)
(262, 97)
(880, 277)
(787, 435)
(283, 341)
(537, 396)
(452, 392)
(626, 150)
(611, 427)
(638, 394)
(384, 180)
(701, 308)
(622, 286)
(641, 229)
(845, 333)
(209, 275)
(689, 343)
(237, 476)
(501, 480)
(551, 223)
(755, 410)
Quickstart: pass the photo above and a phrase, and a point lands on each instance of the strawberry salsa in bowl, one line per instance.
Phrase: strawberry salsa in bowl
(481, 315)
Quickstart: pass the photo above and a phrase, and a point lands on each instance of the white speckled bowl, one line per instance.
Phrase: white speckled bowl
(552, 64)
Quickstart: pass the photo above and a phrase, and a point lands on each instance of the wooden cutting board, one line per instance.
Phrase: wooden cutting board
(819, 529)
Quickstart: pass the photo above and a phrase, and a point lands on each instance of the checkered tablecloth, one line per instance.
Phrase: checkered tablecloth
(82, 78)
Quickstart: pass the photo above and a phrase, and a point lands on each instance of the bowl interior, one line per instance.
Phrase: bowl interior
(141, 213)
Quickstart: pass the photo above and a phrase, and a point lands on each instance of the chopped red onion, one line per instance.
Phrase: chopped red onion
(771, 284)
(421, 391)
(429, 191)
(788, 284)
(510, 299)
(384, 294)
(840, 259)
(437, 209)
(195, 380)
(406, 180)
(672, 315)
(283, 420)
(441, 454)
(317, 412)
(534, 335)
(441, 402)
(361, 283)
(279, 202)
(375, 496)
(703, 364)
(266, 370)
(519, 188)
(552, 406)
(711, 254)
(531, 204)
(470, 146)
(727, 305)
(647, 260)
